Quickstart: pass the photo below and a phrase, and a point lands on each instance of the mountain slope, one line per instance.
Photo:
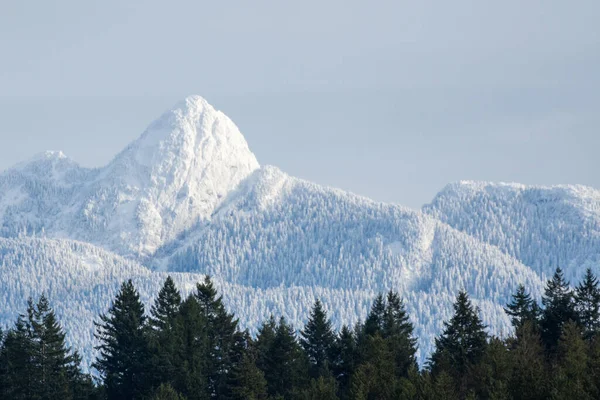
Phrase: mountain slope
(189, 198)
(543, 227)
(173, 176)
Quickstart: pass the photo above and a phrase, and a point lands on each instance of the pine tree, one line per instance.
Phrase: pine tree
(587, 304)
(247, 381)
(492, 374)
(318, 340)
(286, 364)
(163, 339)
(344, 362)
(222, 335)
(264, 342)
(572, 379)
(374, 321)
(57, 368)
(123, 347)
(522, 308)
(17, 353)
(375, 377)
(191, 376)
(559, 308)
(461, 345)
(398, 333)
(528, 380)
(322, 388)
(166, 392)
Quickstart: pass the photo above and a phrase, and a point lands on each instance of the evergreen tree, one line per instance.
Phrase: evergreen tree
(322, 388)
(374, 321)
(572, 379)
(222, 334)
(318, 340)
(286, 363)
(398, 333)
(56, 367)
(492, 374)
(528, 380)
(559, 308)
(17, 353)
(191, 377)
(163, 339)
(123, 347)
(374, 378)
(166, 392)
(522, 308)
(461, 345)
(587, 304)
(38, 364)
(264, 342)
(344, 362)
(247, 380)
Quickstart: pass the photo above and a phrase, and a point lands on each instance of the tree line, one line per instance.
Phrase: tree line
(193, 348)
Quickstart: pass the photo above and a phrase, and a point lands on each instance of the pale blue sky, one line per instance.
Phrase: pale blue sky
(389, 99)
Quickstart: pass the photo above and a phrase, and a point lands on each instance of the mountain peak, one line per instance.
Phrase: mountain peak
(174, 175)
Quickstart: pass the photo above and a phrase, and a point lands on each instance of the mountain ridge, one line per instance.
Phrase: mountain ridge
(189, 198)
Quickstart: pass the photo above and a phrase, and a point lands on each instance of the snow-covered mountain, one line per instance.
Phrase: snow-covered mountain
(163, 183)
(543, 227)
(189, 198)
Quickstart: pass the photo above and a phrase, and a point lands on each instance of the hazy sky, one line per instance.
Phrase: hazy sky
(389, 99)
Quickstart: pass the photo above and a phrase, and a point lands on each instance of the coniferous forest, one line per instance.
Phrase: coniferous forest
(193, 348)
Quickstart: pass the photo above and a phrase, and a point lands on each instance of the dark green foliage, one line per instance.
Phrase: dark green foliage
(162, 335)
(247, 381)
(166, 392)
(223, 336)
(194, 350)
(398, 334)
(522, 308)
(318, 340)
(36, 363)
(374, 321)
(571, 377)
(559, 308)
(285, 364)
(345, 360)
(193, 347)
(529, 371)
(123, 348)
(461, 346)
(587, 304)
(322, 388)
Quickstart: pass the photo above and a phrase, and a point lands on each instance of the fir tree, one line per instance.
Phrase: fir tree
(166, 392)
(17, 353)
(559, 308)
(247, 381)
(522, 308)
(398, 333)
(222, 336)
(374, 321)
(286, 363)
(191, 377)
(374, 378)
(56, 367)
(587, 304)
(318, 340)
(344, 362)
(163, 339)
(123, 347)
(461, 345)
(572, 379)
(528, 379)
(322, 388)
